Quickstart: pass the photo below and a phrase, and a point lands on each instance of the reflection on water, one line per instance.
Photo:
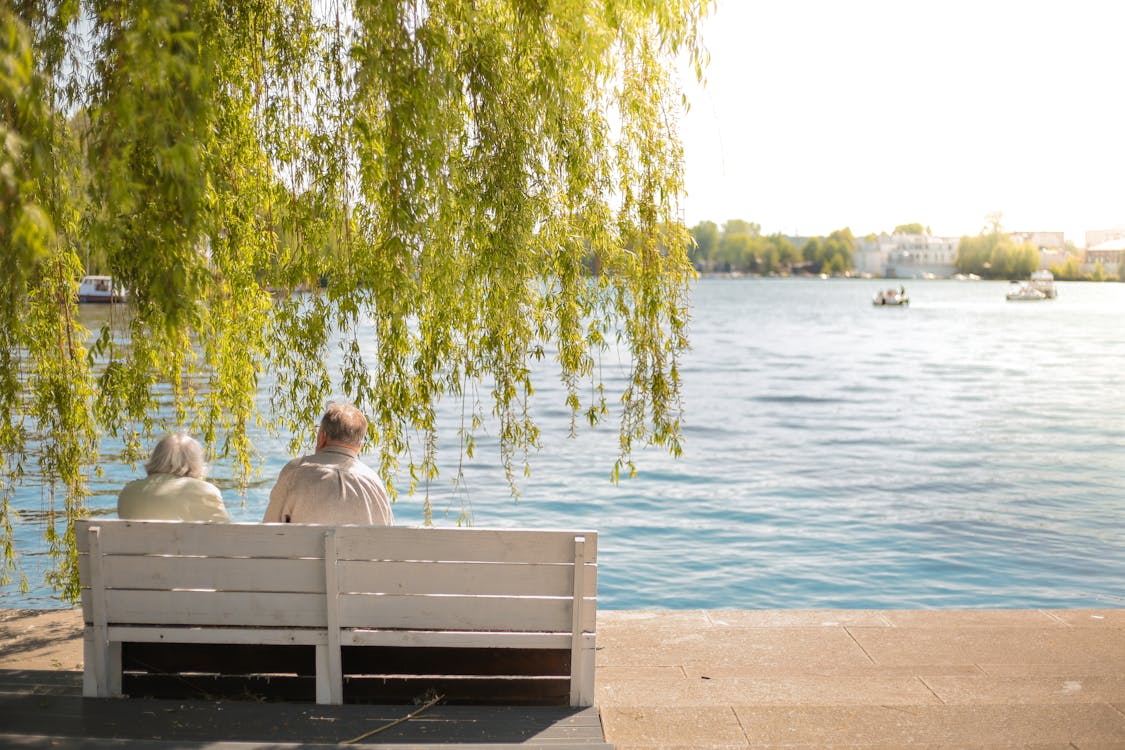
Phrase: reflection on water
(962, 452)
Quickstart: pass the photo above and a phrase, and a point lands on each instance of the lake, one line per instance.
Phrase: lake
(961, 452)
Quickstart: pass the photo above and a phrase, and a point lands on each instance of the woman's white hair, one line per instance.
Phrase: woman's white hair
(177, 454)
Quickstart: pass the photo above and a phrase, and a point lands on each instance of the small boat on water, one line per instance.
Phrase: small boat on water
(1044, 281)
(890, 297)
(99, 289)
(1024, 292)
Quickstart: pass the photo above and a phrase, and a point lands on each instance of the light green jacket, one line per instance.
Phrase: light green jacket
(166, 497)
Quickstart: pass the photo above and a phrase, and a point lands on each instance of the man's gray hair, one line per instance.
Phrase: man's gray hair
(344, 423)
(177, 454)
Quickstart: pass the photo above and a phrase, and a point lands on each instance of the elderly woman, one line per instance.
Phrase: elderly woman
(174, 489)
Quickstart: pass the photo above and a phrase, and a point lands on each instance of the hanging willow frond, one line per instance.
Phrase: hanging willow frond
(474, 183)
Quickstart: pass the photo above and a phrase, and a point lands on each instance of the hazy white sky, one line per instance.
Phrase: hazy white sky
(821, 114)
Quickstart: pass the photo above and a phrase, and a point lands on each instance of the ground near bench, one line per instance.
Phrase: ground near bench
(1049, 679)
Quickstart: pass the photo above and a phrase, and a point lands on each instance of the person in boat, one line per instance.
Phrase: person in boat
(174, 489)
(332, 486)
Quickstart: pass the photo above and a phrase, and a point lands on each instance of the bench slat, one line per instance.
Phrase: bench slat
(459, 613)
(460, 639)
(467, 545)
(208, 539)
(307, 576)
(231, 608)
(260, 609)
(276, 636)
(219, 573)
(355, 542)
(349, 637)
(496, 579)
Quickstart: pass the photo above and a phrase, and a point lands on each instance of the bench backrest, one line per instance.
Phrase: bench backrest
(502, 582)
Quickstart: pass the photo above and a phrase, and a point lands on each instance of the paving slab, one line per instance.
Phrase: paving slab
(680, 619)
(1066, 671)
(694, 726)
(831, 671)
(972, 618)
(197, 722)
(1028, 689)
(922, 726)
(788, 618)
(952, 644)
(781, 690)
(882, 746)
(796, 646)
(1091, 618)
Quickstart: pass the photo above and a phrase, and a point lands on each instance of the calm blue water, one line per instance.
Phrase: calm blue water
(963, 452)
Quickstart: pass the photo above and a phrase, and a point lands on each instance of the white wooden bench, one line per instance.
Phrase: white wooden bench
(348, 590)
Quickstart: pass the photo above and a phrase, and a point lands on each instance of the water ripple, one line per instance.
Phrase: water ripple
(961, 453)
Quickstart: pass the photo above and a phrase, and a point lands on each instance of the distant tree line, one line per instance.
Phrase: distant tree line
(996, 256)
(1071, 270)
(740, 247)
(993, 254)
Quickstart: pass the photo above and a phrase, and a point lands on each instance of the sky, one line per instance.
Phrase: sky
(821, 114)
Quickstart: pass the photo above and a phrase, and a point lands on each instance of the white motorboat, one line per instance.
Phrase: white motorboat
(99, 289)
(890, 297)
(1044, 281)
(1025, 292)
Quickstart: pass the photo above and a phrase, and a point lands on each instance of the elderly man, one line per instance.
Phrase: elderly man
(332, 486)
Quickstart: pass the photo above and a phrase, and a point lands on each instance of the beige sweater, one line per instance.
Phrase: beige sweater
(332, 486)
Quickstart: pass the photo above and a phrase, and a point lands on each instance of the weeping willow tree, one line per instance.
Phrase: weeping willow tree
(475, 184)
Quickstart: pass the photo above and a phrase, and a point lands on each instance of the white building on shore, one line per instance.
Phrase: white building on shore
(1051, 246)
(907, 256)
(1042, 240)
(1111, 254)
(1095, 237)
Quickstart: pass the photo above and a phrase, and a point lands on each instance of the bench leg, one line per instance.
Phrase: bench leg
(113, 668)
(582, 692)
(329, 669)
(329, 680)
(90, 676)
(101, 673)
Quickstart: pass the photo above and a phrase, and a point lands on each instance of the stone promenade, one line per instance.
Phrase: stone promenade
(863, 679)
(1050, 679)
